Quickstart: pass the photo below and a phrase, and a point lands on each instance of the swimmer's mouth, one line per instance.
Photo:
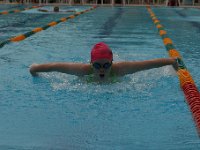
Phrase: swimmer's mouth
(101, 75)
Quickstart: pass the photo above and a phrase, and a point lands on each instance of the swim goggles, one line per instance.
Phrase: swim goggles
(98, 65)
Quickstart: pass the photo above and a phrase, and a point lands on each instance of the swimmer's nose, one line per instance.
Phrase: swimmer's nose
(101, 70)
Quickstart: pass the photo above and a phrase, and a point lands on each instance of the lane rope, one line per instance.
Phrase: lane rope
(18, 10)
(187, 83)
(38, 29)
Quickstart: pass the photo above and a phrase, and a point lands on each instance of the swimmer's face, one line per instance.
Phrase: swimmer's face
(102, 68)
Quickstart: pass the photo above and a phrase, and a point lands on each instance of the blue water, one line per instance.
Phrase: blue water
(186, 36)
(8, 7)
(146, 110)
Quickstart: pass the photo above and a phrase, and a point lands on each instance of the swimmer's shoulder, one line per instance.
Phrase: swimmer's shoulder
(86, 69)
(118, 68)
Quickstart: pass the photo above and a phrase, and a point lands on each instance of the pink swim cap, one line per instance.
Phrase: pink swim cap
(101, 51)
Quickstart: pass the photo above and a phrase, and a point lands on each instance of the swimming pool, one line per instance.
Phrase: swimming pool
(12, 7)
(146, 110)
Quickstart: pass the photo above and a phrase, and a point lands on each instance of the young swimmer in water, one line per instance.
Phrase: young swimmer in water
(102, 66)
(55, 9)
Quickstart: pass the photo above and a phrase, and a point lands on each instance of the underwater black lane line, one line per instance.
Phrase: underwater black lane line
(193, 23)
(187, 83)
(181, 14)
(39, 29)
(18, 10)
(13, 7)
(18, 24)
(109, 25)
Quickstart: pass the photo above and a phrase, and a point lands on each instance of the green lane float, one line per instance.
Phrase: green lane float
(18, 10)
(187, 83)
(36, 30)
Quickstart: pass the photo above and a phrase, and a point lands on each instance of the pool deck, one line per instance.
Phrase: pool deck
(126, 5)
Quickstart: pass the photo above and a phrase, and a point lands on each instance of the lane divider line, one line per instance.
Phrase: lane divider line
(21, 37)
(18, 10)
(187, 83)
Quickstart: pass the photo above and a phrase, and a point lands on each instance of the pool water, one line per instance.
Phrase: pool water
(145, 110)
(8, 7)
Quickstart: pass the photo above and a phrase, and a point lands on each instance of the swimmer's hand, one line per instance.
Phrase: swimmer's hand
(178, 64)
(175, 64)
(32, 70)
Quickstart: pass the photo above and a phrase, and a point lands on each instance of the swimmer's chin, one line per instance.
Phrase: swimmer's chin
(101, 76)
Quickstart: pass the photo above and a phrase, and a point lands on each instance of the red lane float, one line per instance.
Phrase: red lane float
(187, 84)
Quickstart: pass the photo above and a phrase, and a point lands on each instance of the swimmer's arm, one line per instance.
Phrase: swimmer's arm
(43, 10)
(123, 68)
(70, 11)
(77, 69)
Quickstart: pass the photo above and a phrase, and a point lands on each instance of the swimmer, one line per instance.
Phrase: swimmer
(56, 9)
(101, 65)
(43, 10)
